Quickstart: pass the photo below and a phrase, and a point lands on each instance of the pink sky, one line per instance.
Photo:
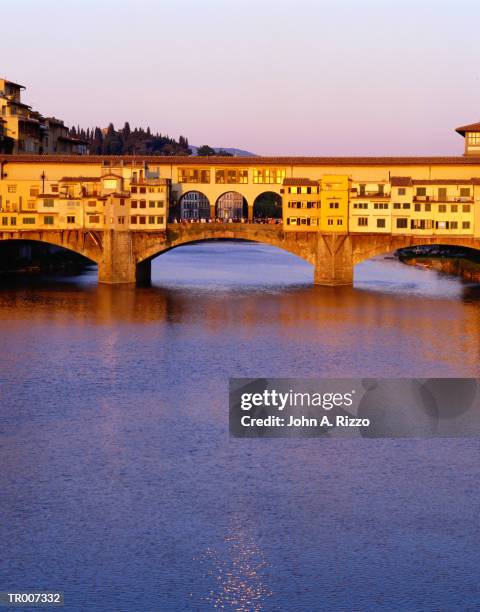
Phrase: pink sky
(273, 77)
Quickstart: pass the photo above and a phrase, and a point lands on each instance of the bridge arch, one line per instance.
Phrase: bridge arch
(149, 247)
(193, 205)
(86, 244)
(231, 205)
(367, 246)
(267, 205)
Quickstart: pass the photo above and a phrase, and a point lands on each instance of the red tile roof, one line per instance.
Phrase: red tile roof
(472, 127)
(443, 182)
(7, 82)
(401, 181)
(110, 174)
(242, 161)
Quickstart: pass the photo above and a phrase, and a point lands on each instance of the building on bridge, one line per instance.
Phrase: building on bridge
(127, 197)
(357, 206)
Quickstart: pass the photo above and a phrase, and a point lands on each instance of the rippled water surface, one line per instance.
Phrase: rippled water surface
(119, 484)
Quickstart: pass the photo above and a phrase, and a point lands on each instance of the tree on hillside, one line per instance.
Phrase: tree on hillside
(130, 142)
(205, 151)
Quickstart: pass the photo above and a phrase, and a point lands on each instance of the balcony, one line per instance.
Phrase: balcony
(445, 200)
(369, 194)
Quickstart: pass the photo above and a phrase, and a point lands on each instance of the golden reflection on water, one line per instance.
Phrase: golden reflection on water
(331, 316)
(237, 571)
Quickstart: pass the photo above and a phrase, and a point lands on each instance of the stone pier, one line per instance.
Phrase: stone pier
(333, 260)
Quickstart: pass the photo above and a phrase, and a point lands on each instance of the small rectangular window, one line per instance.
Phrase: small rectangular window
(48, 220)
(70, 219)
(381, 223)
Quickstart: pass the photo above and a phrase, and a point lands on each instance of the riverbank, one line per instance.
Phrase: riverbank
(454, 266)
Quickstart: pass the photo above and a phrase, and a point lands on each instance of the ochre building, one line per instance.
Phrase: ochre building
(430, 199)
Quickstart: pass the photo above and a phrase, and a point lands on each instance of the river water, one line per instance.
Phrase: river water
(119, 484)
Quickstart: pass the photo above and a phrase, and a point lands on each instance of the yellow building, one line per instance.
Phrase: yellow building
(27, 131)
(301, 205)
(119, 198)
(411, 196)
(335, 199)
(471, 133)
(370, 208)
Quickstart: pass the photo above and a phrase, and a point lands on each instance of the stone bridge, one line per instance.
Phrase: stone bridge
(125, 256)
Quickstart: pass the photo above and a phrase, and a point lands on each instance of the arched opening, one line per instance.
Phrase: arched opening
(440, 270)
(231, 206)
(228, 263)
(267, 205)
(454, 260)
(193, 206)
(19, 256)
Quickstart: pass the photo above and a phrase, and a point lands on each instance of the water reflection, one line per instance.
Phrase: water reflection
(408, 317)
(235, 571)
(117, 469)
